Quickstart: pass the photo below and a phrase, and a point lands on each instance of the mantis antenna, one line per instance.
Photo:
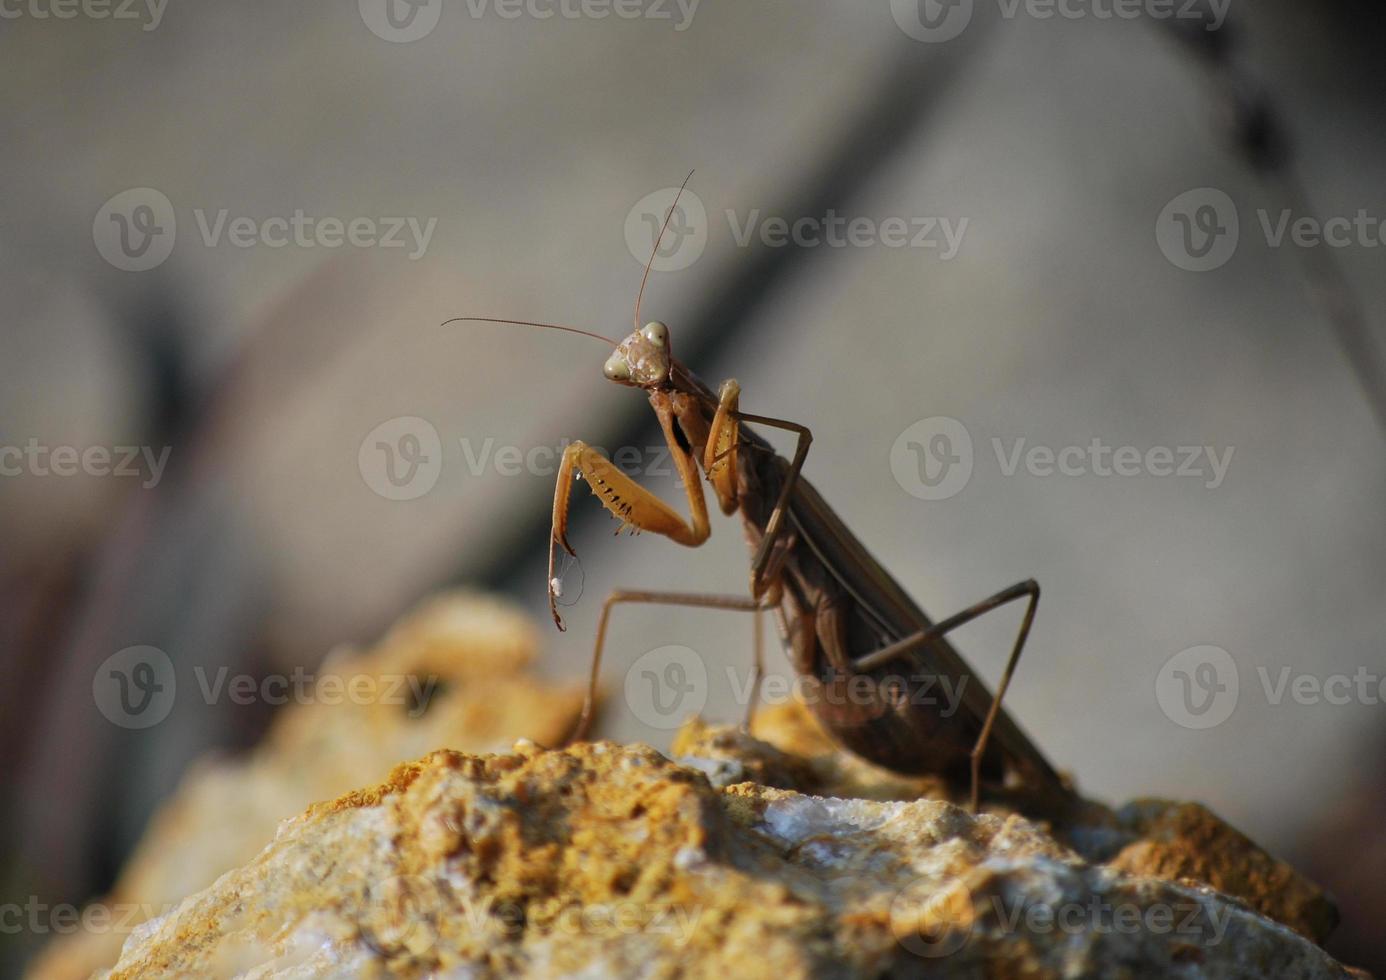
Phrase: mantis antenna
(655, 250)
(531, 323)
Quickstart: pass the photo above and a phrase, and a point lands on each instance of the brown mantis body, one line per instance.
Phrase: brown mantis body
(870, 655)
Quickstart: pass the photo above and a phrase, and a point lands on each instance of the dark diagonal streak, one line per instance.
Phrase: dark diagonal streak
(909, 92)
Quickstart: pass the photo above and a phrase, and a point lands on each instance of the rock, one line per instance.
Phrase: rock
(605, 860)
(476, 649)
(774, 854)
(1159, 838)
(1178, 841)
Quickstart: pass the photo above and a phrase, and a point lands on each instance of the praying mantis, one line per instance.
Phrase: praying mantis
(865, 648)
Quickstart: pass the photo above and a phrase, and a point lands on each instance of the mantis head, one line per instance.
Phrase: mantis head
(642, 360)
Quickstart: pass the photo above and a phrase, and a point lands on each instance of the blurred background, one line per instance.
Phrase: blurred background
(978, 248)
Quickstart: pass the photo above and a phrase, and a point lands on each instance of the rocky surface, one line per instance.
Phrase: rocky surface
(1159, 838)
(606, 860)
(764, 854)
(470, 653)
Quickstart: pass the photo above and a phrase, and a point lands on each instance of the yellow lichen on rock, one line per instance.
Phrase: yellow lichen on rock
(607, 860)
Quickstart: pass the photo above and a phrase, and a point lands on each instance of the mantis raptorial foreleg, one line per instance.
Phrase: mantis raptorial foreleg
(628, 501)
(760, 564)
(723, 438)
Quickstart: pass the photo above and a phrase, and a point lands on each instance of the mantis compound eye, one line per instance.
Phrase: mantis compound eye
(656, 333)
(617, 368)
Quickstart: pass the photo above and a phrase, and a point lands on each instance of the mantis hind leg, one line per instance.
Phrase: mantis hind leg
(1029, 588)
